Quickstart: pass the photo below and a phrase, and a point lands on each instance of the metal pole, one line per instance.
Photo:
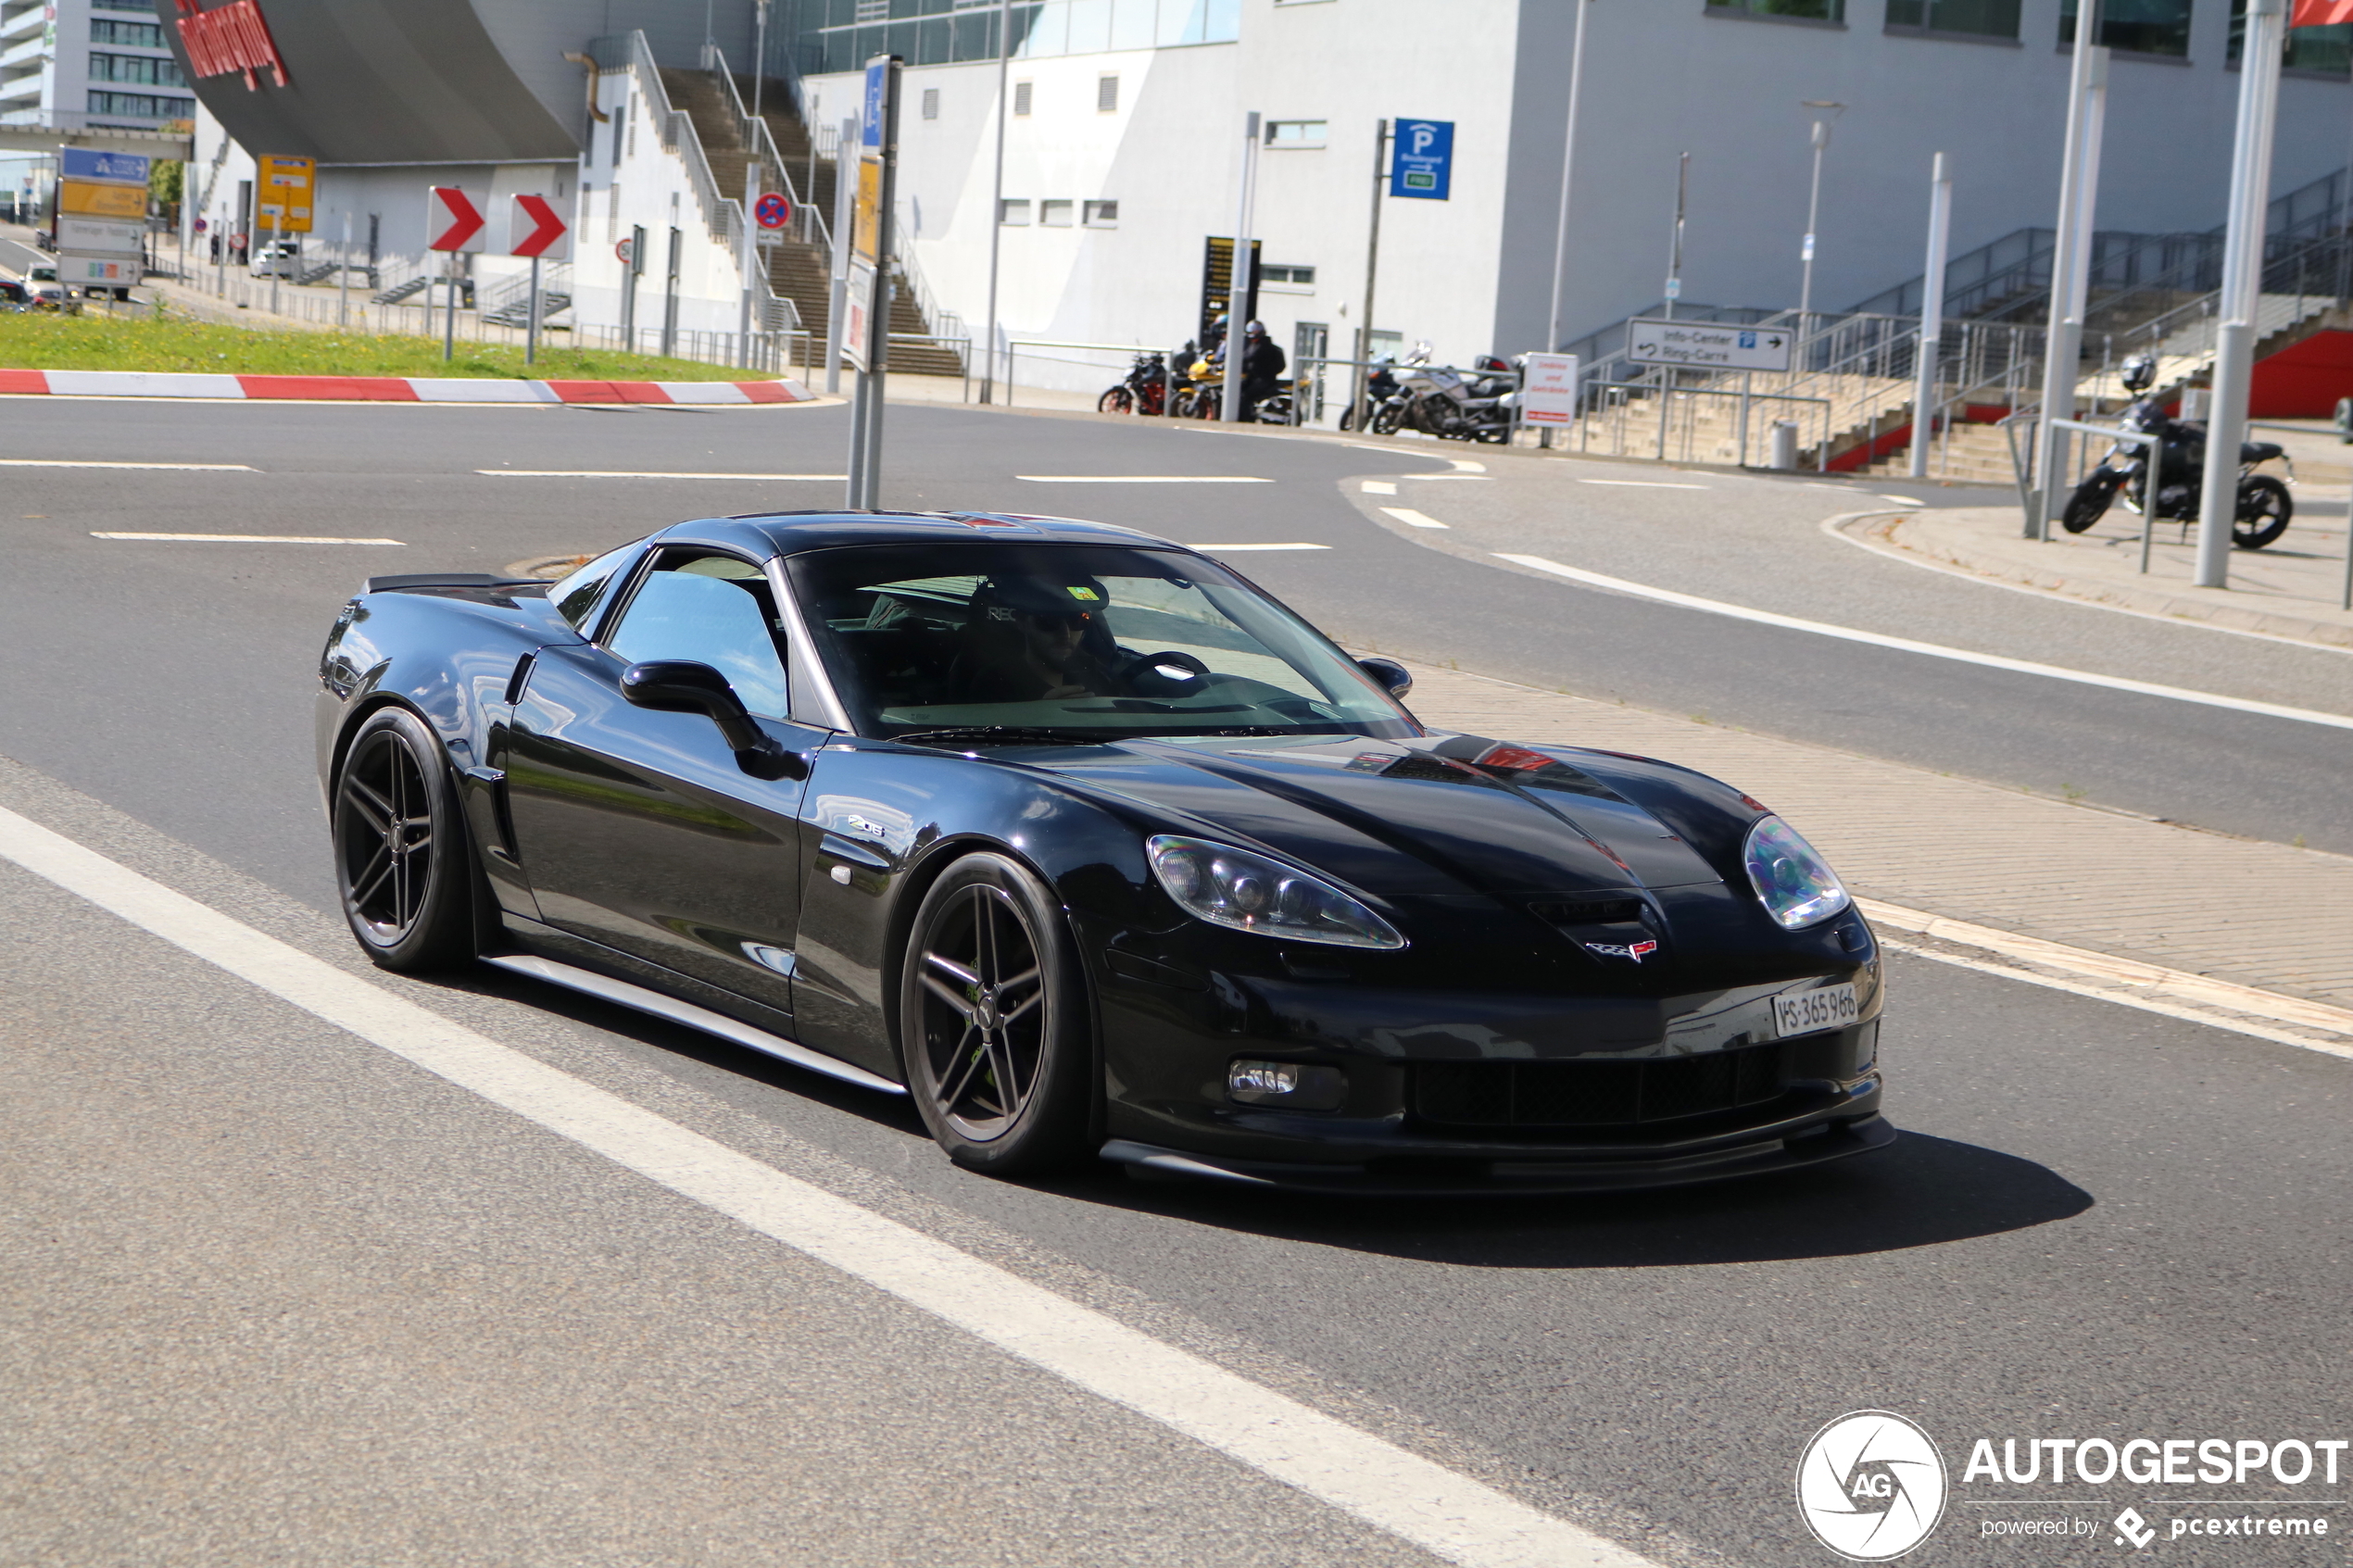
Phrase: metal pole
(277, 263)
(1675, 240)
(1940, 224)
(1569, 171)
(2063, 339)
(2345, 600)
(866, 472)
(531, 331)
(749, 249)
(845, 215)
(1372, 275)
(1238, 277)
(343, 303)
(630, 271)
(2242, 286)
(997, 200)
(1813, 211)
(449, 312)
(670, 294)
(759, 57)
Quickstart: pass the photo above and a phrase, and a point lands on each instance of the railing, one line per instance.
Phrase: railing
(555, 277)
(755, 135)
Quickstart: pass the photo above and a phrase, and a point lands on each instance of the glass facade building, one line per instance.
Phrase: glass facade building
(838, 35)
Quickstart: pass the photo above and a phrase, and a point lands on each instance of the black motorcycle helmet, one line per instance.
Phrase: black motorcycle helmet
(2140, 374)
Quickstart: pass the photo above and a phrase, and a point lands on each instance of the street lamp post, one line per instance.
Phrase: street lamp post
(997, 200)
(1821, 138)
(1568, 169)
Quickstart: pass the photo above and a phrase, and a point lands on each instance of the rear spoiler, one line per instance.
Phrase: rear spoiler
(401, 580)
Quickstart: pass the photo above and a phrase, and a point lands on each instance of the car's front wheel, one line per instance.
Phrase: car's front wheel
(995, 1031)
(402, 862)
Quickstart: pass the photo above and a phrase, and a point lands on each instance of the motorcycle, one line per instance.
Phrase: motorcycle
(1281, 407)
(1203, 395)
(1436, 400)
(1144, 392)
(2264, 507)
(1380, 387)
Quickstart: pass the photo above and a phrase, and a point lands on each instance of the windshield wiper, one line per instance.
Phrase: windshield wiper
(1006, 734)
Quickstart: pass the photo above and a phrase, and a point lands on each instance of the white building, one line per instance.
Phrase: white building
(1124, 138)
(72, 65)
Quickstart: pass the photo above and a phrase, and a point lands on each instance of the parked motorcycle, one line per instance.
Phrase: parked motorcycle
(1144, 392)
(1437, 401)
(1203, 395)
(1281, 407)
(1380, 387)
(2264, 506)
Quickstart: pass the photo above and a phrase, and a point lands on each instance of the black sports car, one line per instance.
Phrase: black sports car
(1091, 848)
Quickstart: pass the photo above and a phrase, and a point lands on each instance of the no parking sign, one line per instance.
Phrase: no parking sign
(770, 213)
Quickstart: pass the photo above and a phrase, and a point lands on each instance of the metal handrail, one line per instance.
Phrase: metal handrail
(756, 135)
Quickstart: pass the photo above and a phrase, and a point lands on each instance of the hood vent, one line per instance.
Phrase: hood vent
(1588, 912)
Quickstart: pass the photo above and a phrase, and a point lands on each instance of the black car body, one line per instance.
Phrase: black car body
(1562, 974)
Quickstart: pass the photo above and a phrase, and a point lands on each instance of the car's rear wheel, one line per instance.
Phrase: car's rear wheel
(995, 1031)
(401, 860)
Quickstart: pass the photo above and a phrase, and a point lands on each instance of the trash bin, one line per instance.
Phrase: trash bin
(1784, 458)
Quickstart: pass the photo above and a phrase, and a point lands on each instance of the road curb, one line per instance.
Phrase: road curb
(392, 389)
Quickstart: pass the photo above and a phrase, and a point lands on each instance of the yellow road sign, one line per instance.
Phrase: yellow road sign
(285, 193)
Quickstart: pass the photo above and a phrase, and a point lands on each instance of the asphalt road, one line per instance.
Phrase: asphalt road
(278, 1296)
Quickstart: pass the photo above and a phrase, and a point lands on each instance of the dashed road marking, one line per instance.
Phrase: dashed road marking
(1141, 479)
(174, 467)
(248, 538)
(1413, 519)
(1645, 484)
(631, 473)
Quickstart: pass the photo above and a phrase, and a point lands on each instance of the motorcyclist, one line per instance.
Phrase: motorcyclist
(1263, 363)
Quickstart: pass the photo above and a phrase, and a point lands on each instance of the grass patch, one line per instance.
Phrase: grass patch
(93, 341)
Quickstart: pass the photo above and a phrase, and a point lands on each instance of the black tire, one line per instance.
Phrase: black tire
(996, 1032)
(1387, 417)
(1182, 408)
(403, 866)
(2264, 511)
(1118, 400)
(2089, 502)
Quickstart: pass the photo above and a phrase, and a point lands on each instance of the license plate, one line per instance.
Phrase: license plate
(1807, 1013)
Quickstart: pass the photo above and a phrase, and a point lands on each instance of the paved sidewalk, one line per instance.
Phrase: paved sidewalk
(2292, 589)
(2265, 915)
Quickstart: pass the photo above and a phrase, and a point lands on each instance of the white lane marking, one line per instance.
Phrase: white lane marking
(625, 473)
(1399, 451)
(1424, 1503)
(2172, 992)
(1451, 478)
(1141, 479)
(1903, 500)
(1383, 486)
(1413, 519)
(1645, 484)
(1221, 548)
(1836, 528)
(1933, 650)
(1468, 465)
(175, 468)
(248, 539)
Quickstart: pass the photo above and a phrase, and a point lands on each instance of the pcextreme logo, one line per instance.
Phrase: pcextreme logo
(1870, 1486)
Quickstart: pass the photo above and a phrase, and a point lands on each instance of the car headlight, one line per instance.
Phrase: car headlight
(1249, 892)
(1797, 886)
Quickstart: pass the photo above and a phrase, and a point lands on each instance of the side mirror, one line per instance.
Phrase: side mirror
(681, 685)
(1392, 676)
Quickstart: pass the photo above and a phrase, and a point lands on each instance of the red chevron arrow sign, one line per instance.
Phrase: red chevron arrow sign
(533, 229)
(452, 219)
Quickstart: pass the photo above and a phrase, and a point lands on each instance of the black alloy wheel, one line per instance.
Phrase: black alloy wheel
(994, 1022)
(2264, 511)
(402, 863)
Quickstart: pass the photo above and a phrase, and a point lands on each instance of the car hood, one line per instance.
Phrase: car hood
(1398, 820)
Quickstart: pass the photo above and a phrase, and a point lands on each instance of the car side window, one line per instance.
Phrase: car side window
(713, 610)
(577, 596)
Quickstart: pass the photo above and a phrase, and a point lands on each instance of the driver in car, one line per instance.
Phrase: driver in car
(1031, 640)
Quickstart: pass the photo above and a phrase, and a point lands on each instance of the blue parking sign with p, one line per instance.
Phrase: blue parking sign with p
(1748, 340)
(1422, 164)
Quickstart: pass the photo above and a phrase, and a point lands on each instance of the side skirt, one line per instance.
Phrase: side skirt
(591, 984)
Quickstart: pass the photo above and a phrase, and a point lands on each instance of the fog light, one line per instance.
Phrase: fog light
(1292, 1086)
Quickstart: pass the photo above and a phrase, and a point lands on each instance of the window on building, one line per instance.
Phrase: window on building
(147, 69)
(2323, 49)
(1982, 18)
(931, 103)
(1021, 97)
(1272, 273)
(1283, 133)
(138, 36)
(2139, 27)
(1807, 10)
(140, 6)
(1013, 213)
(1102, 215)
(141, 106)
(1054, 214)
(1107, 94)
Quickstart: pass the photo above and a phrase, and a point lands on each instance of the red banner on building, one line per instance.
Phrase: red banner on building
(2321, 13)
(232, 38)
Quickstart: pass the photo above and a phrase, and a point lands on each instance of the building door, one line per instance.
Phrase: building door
(1311, 340)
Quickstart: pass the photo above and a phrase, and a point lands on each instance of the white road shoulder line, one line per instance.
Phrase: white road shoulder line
(248, 538)
(1645, 484)
(1932, 650)
(1413, 519)
(1424, 1503)
(1903, 500)
(1141, 479)
(175, 468)
(1223, 549)
(626, 473)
